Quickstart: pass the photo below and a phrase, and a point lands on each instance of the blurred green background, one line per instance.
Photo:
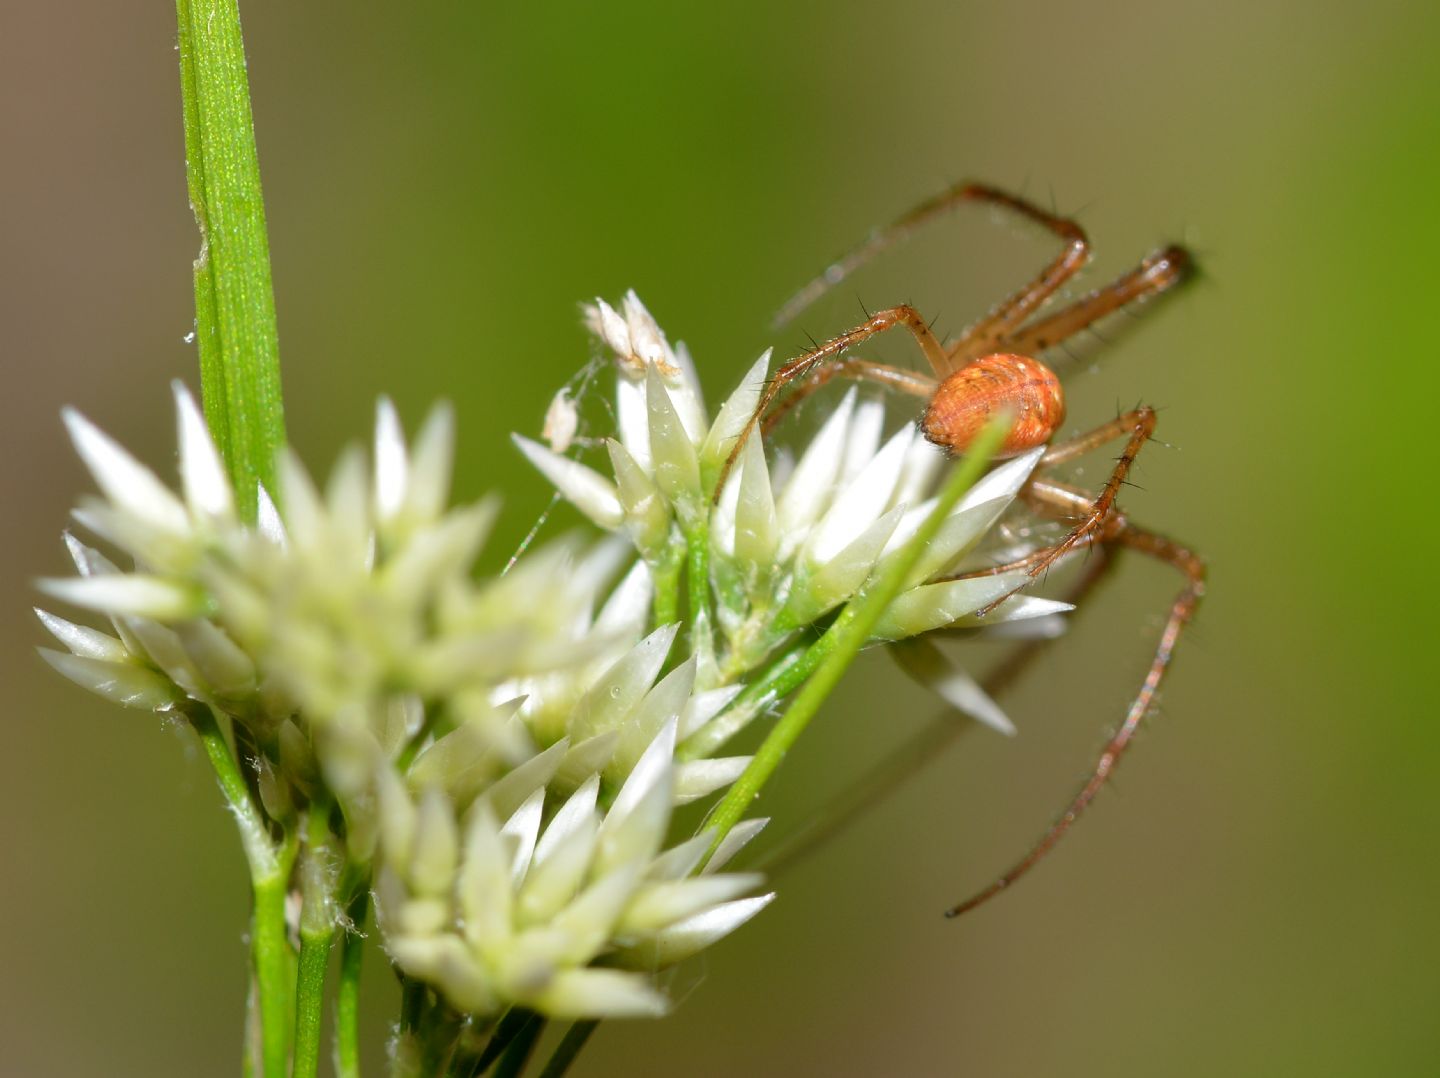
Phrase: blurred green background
(444, 182)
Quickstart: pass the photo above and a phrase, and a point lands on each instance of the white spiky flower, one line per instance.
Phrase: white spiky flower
(785, 546)
(346, 637)
(495, 914)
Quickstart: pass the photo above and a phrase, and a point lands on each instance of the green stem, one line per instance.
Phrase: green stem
(568, 1048)
(697, 573)
(272, 959)
(515, 1022)
(849, 634)
(781, 678)
(234, 297)
(347, 996)
(317, 936)
(270, 954)
(517, 1055)
(666, 574)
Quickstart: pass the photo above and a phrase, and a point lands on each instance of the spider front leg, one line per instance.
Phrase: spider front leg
(861, 370)
(830, 352)
(1139, 424)
(1158, 273)
(1118, 532)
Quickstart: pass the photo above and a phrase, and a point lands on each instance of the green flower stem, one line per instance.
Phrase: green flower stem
(317, 935)
(517, 1055)
(783, 677)
(347, 996)
(666, 574)
(515, 1021)
(850, 632)
(234, 298)
(270, 954)
(697, 573)
(568, 1048)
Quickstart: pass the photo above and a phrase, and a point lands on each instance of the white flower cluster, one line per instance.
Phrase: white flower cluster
(785, 546)
(506, 752)
(357, 659)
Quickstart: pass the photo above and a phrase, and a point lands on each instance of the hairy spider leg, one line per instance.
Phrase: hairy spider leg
(1005, 316)
(1157, 273)
(1118, 531)
(831, 350)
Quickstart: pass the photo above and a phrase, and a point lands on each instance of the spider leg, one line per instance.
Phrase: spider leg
(911, 382)
(1008, 314)
(877, 783)
(802, 367)
(1182, 609)
(1158, 273)
(1139, 424)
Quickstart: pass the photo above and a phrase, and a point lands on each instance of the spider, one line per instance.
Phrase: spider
(989, 369)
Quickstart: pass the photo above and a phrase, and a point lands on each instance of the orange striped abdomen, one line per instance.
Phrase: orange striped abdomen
(965, 401)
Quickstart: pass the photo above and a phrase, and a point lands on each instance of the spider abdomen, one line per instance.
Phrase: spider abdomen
(965, 401)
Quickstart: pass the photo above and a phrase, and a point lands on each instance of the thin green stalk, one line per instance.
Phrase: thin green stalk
(317, 935)
(270, 954)
(568, 1048)
(517, 1055)
(274, 981)
(514, 1023)
(347, 996)
(850, 632)
(781, 678)
(234, 297)
(666, 574)
(697, 573)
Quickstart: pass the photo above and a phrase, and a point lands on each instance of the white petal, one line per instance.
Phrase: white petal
(844, 574)
(1018, 608)
(562, 420)
(483, 886)
(632, 417)
(866, 428)
(83, 641)
(696, 778)
(613, 330)
(734, 414)
(627, 609)
(958, 533)
(509, 792)
(585, 488)
(600, 993)
(756, 526)
(392, 462)
(267, 519)
(812, 482)
(202, 472)
(935, 606)
(661, 704)
(636, 822)
(704, 706)
(125, 481)
(862, 501)
(123, 683)
(923, 661)
(616, 693)
(522, 828)
(647, 513)
(734, 841)
(127, 595)
(666, 902)
(675, 465)
(436, 847)
(690, 936)
(685, 391)
(562, 857)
